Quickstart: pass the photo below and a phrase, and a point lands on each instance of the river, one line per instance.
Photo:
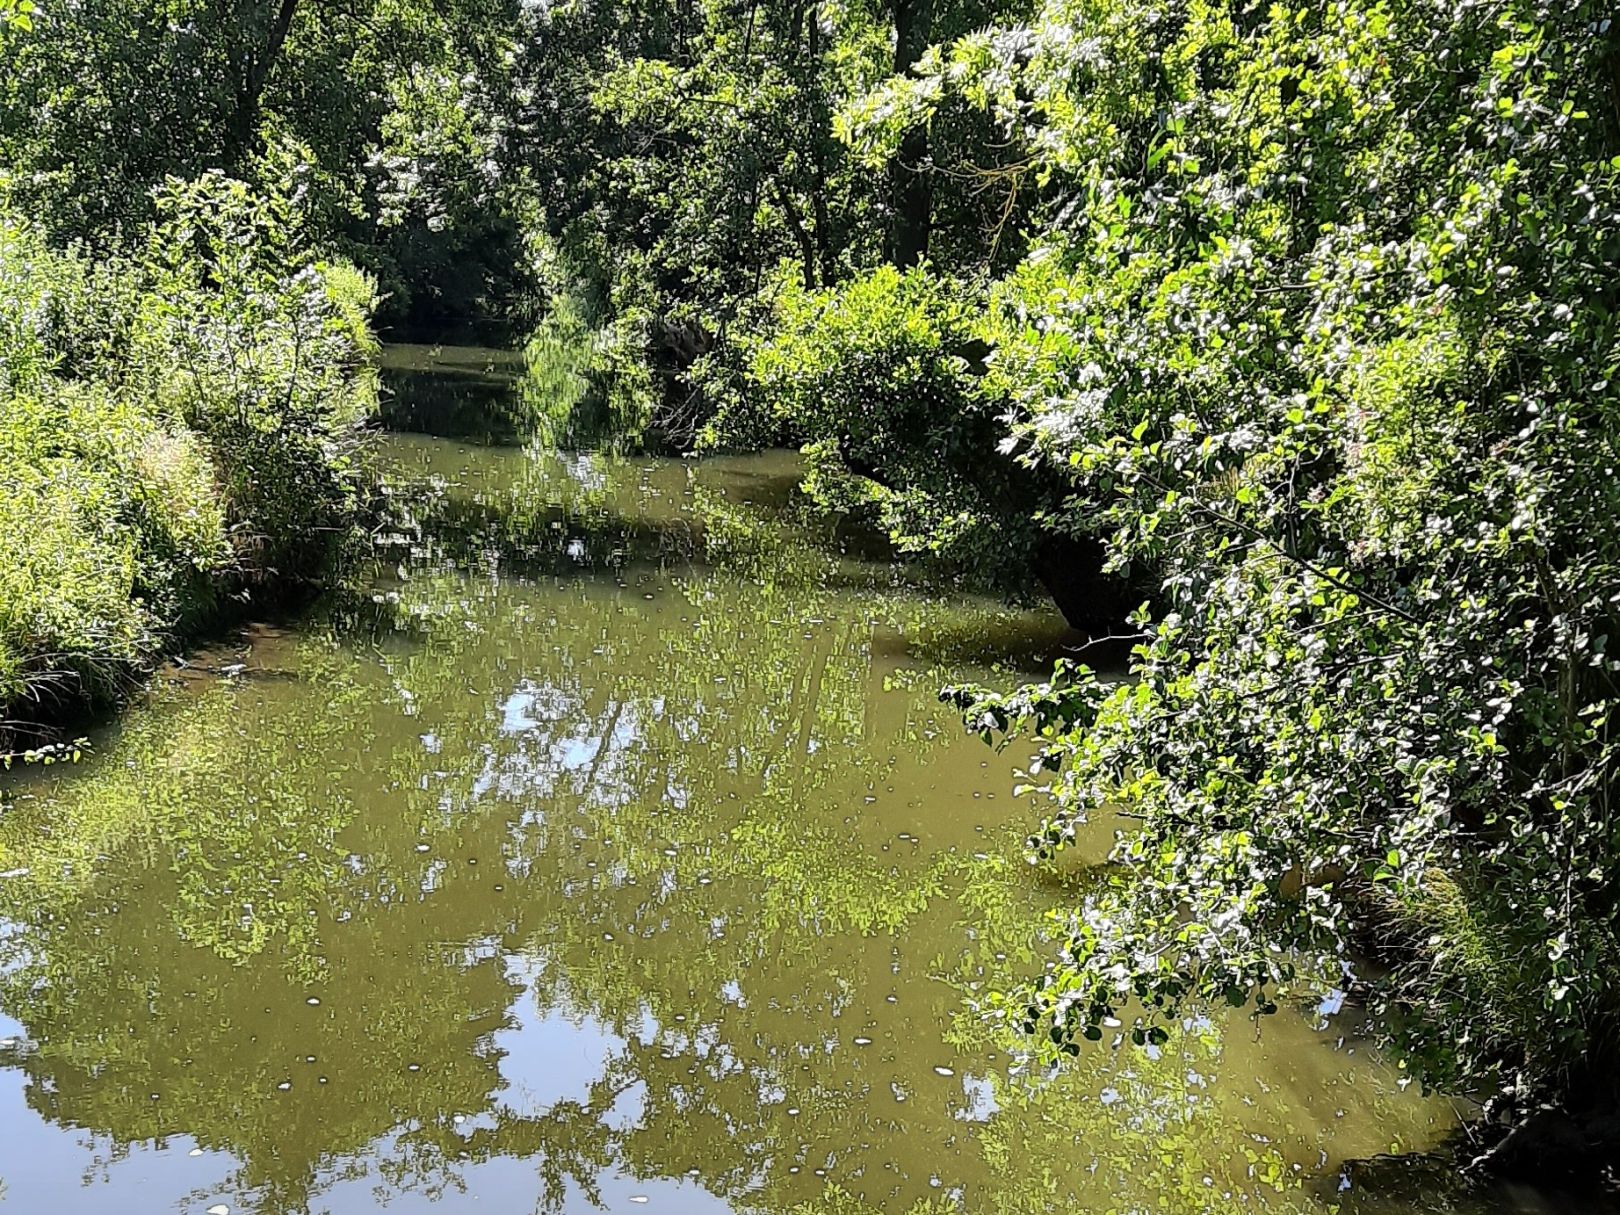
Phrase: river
(604, 849)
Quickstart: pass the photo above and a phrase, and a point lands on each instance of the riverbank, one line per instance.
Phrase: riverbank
(176, 442)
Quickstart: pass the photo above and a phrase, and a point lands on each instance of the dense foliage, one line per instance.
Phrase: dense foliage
(875, 378)
(371, 117)
(172, 430)
(1324, 334)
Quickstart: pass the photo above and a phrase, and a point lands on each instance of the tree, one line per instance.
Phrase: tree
(911, 186)
(254, 63)
(1321, 330)
(378, 119)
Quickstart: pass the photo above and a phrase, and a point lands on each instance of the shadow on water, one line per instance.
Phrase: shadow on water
(468, 393)
(1400, 1185)
(548, 514)
(541, 512)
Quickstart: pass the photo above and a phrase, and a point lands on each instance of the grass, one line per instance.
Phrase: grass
(172, 431)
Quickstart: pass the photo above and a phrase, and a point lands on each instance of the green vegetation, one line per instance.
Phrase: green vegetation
(1294, 324)
(874, 377)
(368, 117)
(173, 430)
(1340, 379)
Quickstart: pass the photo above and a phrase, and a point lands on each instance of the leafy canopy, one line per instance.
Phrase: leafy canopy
(1322, 331)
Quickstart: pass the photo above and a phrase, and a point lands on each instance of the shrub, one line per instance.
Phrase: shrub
(169, 431)
(876, 379)
(265, 353)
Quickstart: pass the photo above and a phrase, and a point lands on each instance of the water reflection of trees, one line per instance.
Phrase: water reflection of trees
(663, 801)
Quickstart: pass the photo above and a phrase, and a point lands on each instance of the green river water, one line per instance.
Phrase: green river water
(606, 850)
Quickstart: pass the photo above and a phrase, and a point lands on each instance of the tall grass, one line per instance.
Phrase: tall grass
(173, 429)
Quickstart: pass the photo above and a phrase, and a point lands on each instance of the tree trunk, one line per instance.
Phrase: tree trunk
(240, 136)
(819, 140)
(1070, 568)
(911, 191)
(807, 249)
